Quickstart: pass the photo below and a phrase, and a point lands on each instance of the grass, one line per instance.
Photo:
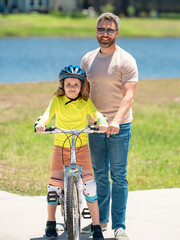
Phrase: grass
(32, 25)
(154, 150)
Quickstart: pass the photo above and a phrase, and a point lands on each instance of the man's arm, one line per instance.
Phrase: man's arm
(128, 90)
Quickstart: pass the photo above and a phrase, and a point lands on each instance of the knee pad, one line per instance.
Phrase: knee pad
(53, 194)
(89, 190)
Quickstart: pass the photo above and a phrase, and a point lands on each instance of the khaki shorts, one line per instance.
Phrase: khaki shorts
(58, 163)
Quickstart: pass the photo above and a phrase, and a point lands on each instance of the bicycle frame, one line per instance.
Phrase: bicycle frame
(74, 173)
(73, 170)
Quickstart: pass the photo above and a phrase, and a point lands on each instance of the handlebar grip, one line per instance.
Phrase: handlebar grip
(94, 128)
(50, 129)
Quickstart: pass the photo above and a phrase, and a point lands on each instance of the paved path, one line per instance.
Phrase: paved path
(151, 215)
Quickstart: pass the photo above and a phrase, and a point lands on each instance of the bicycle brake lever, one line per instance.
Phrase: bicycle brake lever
(50, 129)
(94, 128)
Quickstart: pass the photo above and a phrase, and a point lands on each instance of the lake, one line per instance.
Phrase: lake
(41, 59)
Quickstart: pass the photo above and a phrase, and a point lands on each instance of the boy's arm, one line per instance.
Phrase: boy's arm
(101, 121)
(97, 116)
(43, 121)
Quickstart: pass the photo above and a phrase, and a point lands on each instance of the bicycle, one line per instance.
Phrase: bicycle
(73, 193)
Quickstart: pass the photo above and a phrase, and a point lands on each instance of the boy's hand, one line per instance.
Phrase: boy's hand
(103, 128)
(40, 128)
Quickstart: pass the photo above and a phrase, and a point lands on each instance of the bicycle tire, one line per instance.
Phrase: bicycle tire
(72, 209)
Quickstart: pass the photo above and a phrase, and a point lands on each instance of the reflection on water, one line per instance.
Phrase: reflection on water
(40, 59)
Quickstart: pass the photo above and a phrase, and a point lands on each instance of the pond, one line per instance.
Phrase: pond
(41, 59)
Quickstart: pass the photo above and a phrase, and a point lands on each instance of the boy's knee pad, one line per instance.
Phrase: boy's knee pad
(89, 189)
(53, 194)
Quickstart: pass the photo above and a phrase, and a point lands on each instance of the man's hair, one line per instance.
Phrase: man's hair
(111, 17)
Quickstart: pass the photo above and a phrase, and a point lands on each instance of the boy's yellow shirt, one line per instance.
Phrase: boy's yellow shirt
(73, 115)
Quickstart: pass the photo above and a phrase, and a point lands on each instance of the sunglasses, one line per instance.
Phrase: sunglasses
(109, 31)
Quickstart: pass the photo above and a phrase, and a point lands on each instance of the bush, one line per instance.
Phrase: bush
(170, 15)
(77, 15)
(56, 13)
(107, 8)
(131, 11)
(122, 15)
(142, 14)
(153, 13)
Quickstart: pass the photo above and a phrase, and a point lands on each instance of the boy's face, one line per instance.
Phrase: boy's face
(72, 87)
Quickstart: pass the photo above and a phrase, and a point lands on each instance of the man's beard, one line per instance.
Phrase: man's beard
(106, 44)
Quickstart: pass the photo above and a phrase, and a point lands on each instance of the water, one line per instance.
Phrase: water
(41, 59)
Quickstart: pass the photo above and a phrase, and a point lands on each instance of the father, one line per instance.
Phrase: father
(112, 75)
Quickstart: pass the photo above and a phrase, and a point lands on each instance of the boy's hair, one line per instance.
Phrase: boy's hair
(111, 17)
(84, 92)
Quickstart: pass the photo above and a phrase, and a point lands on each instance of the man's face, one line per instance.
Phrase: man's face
(106, 33)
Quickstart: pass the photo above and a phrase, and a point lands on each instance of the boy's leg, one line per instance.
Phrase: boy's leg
(91, 199)
(57, 178)
(94, 211)
(54, 190)
(89, 188)
(84, 160)
(51, 212)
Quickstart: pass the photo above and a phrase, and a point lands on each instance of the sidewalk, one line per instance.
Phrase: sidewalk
(151, 215)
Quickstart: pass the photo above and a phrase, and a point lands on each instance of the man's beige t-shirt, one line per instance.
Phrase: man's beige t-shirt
(105, 74)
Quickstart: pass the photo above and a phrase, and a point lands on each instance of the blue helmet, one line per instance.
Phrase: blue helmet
(73, 71)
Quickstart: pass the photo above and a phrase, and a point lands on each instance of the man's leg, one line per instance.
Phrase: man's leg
(118, 146)
(100, 162)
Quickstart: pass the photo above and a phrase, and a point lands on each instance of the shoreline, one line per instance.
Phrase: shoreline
(90, 37)
(56, 81)
(24, 25)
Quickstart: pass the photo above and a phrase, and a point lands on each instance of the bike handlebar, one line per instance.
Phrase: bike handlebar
(90, 129)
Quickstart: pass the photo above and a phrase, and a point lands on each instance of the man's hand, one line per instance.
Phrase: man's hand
(113, 128)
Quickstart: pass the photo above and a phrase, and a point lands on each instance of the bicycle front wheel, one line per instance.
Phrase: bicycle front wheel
(72, 209)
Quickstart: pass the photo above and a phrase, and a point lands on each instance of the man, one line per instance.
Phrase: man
(112, 75)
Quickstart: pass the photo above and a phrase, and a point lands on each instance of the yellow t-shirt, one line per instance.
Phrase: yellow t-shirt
(73, 115)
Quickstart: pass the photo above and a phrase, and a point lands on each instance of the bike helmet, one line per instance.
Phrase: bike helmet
(72, 71)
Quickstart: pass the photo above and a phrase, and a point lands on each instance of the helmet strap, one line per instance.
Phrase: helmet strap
(73, 99)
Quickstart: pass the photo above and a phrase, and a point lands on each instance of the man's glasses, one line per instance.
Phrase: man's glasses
(109, 31)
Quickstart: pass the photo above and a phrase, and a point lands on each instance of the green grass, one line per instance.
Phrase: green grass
(32, 25)
(154, 150)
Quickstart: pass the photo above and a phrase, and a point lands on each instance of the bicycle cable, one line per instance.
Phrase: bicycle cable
(67, 138)
(79, 139)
